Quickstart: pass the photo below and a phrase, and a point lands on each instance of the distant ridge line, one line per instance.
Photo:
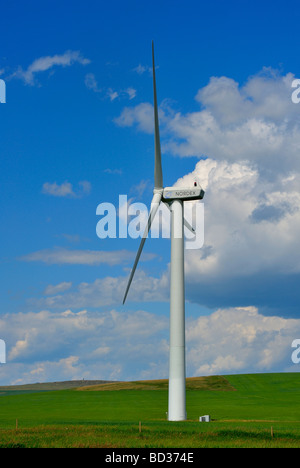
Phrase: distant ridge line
(213, 383)
(216, 383)
(49, 386)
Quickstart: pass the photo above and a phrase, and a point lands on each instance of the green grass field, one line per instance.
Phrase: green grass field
(257, 410)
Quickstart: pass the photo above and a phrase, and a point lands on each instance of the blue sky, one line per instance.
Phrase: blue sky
(77, 131)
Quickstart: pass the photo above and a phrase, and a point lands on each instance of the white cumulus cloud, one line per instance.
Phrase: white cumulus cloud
(240, 339)
(132, 345)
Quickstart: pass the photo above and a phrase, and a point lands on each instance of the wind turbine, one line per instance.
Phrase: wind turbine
(174, 198)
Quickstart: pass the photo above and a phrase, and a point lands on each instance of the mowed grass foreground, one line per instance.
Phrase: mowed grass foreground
(257, 410)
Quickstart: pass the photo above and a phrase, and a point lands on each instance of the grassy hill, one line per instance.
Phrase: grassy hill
(242, 406)
(48, 386)
(215, 382)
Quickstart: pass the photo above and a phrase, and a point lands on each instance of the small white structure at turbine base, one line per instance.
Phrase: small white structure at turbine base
(205, 418)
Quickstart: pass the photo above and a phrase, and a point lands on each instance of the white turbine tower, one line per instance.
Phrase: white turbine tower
(174, 198)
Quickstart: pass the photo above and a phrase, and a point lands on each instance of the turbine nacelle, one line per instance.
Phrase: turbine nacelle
(182, 193)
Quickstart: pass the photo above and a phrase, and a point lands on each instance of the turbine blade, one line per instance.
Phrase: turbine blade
(185, 222)
(158, 177)
(154, 207)
(188, 226)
